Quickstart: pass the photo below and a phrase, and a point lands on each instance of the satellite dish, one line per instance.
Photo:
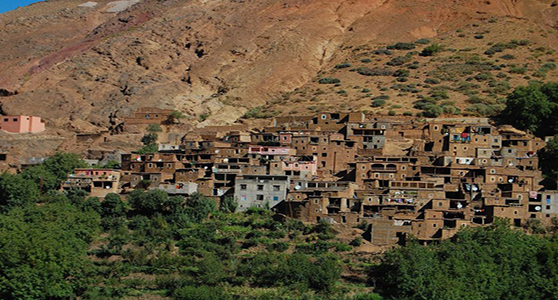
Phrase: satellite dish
(538, 208)
(205, 167)
(226, 160)
(459, 205)
(298, 187)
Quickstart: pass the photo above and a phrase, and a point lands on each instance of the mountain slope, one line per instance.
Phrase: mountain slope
(221, 58)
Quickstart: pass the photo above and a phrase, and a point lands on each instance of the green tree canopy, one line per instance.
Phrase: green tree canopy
(548, 160)
(493, 262)
(113, 206)
(16, 191)
(54, 170)
(533, 108)
(43, 251)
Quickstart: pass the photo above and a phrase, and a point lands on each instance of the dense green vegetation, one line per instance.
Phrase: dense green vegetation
(59, 245)
(533, 108)
(482, 263)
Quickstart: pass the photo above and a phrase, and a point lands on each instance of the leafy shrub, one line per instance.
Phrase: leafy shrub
(481, 109)
(507, 57)
(402, 73)
(343, 65)
(432, 80)
(373, 72)
(402, 46)
(366, 60)
(518, 70)
(203, 117)
(431, 50)
(378, 103)
(356, 242)
(433, 111)
(257, 113)
(147, 149)
(149, 139)
(479, 36)
(483, 76)
(154, 128)
(328, 80)
(382, 52)
(399, 60)
(422, 41)
(200, 293)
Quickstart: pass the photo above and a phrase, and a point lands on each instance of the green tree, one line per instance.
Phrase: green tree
(493, 262)
(43, 251)
(54, 170)
(548, 160)
(228, 204)
(16, 191)
(431, 50)
(113, 206)
(42, 177)
(175, 116)
(154, 128)
(199, 207)
(92, 203)
(149, 139)
(62, 164)
(533, 108)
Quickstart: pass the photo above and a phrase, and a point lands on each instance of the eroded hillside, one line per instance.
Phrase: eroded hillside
(75, 64)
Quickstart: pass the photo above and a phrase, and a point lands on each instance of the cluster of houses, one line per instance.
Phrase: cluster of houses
(402, 176)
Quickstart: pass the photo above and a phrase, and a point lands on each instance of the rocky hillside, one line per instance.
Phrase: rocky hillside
(75, 62)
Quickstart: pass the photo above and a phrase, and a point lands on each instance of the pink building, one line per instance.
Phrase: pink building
(21, 124)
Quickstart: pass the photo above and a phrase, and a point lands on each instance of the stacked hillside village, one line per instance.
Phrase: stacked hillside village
(404, 177)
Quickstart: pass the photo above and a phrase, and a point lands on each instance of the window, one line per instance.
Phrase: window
(276, 188)
(275, 198)
(440, 204)
(6, 119)
(242, 186)
(15, 119)
(260, 187)
(324, 154)
(260, 197)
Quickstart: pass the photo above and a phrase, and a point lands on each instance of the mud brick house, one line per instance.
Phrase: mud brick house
(403, 177)
(148, 115)
(97, 182)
